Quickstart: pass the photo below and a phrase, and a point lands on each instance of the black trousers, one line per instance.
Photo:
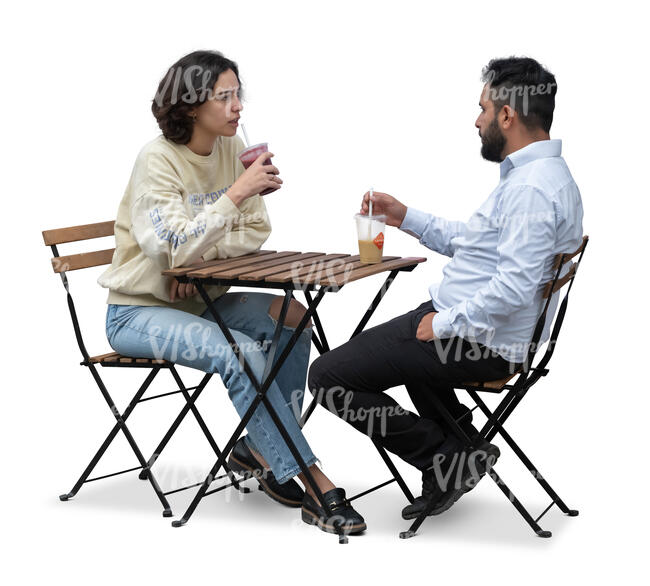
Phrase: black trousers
(350, 380)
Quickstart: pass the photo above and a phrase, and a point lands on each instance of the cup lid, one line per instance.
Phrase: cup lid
(253, 147)
(376, 217)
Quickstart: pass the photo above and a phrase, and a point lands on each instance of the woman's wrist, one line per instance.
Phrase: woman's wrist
(235, 195)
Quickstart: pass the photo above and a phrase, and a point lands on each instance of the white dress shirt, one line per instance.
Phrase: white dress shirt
(501, 257)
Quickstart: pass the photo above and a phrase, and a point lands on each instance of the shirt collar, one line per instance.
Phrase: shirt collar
(540, 149)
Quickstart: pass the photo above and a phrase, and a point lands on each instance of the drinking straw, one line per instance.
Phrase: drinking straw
(370, 215)
(243, 129)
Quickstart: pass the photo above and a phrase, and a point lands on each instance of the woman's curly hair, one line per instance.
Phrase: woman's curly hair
(187, 84)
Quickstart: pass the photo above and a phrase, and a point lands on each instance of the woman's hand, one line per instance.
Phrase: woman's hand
(425, 327)
(382, 203)
(254, 180)
(181, 290)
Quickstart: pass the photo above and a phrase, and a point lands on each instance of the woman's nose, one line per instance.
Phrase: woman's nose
(236, 105)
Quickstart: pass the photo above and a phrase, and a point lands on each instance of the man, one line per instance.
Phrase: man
(479, 322)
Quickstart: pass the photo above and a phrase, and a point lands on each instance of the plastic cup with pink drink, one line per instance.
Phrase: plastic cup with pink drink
(249, 155)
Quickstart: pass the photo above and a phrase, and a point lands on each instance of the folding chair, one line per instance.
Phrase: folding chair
(63, 264)
(527, 377)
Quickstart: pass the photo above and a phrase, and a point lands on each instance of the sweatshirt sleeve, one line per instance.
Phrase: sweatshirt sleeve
(248, 235)
(254, 227)
(161, 225)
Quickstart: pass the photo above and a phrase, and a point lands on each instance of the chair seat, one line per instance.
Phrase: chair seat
(494, 384)
(117, 357)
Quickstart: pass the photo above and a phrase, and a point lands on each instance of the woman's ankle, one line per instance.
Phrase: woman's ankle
(322, 482)
(259, 458)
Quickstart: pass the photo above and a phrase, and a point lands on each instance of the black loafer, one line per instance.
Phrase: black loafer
(242, 461)
(475, 465)
(343, 514)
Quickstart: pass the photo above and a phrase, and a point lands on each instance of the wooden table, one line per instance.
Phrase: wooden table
(309, 272)
(295, 270)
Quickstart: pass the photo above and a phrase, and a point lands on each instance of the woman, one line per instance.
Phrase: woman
(189, 198)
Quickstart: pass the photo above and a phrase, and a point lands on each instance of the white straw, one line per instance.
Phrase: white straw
(370, 215)
(243, 129)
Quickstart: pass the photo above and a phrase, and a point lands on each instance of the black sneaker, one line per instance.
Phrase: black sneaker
(475, 464)
(347, 518)
(242, 461)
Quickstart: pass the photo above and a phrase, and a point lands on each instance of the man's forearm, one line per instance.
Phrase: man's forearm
(432, 231)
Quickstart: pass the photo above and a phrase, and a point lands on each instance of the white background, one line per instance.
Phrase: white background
(349, 95)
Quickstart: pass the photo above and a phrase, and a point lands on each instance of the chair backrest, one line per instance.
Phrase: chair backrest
(551, 287)
(73, 262)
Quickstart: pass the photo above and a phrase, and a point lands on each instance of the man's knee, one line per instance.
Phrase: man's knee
(316, 375)
(295, 312)
(322, 385)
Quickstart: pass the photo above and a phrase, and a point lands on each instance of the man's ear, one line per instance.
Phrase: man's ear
(508, 116)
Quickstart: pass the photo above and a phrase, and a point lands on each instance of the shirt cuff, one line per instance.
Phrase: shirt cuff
(414, 222)
(441, 325)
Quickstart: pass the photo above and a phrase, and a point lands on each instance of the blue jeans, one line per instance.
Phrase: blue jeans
(197, 342)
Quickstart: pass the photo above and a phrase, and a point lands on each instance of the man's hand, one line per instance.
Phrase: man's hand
(181, 290)
(425, 328)
(382, 203)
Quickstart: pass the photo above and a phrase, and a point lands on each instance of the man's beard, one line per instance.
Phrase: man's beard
(493, 142)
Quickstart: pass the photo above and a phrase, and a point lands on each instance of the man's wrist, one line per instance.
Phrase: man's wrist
(401, 215)
(414, 222)
(441, 325)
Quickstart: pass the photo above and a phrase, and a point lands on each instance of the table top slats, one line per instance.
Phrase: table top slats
(297, 268)
(270, 270)
(234, 273)
(248, 261)
(181, 271)
(314, 267)
(366, 270)
(331, 276)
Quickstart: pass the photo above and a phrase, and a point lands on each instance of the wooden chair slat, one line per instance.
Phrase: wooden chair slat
(568, 257)
(316, 267)
(102, 357)
(270, 271)
(560, 282)
(494, 384)
(73, 262)
(235, 263)
(117, 357)
(76, 233)
(231, 271)
(180, 271)
(367, 270)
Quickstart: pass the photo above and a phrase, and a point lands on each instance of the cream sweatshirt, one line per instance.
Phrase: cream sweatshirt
(174, 212)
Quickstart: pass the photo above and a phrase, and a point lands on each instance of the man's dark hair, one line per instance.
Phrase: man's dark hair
(187, 84)
(524, 85)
